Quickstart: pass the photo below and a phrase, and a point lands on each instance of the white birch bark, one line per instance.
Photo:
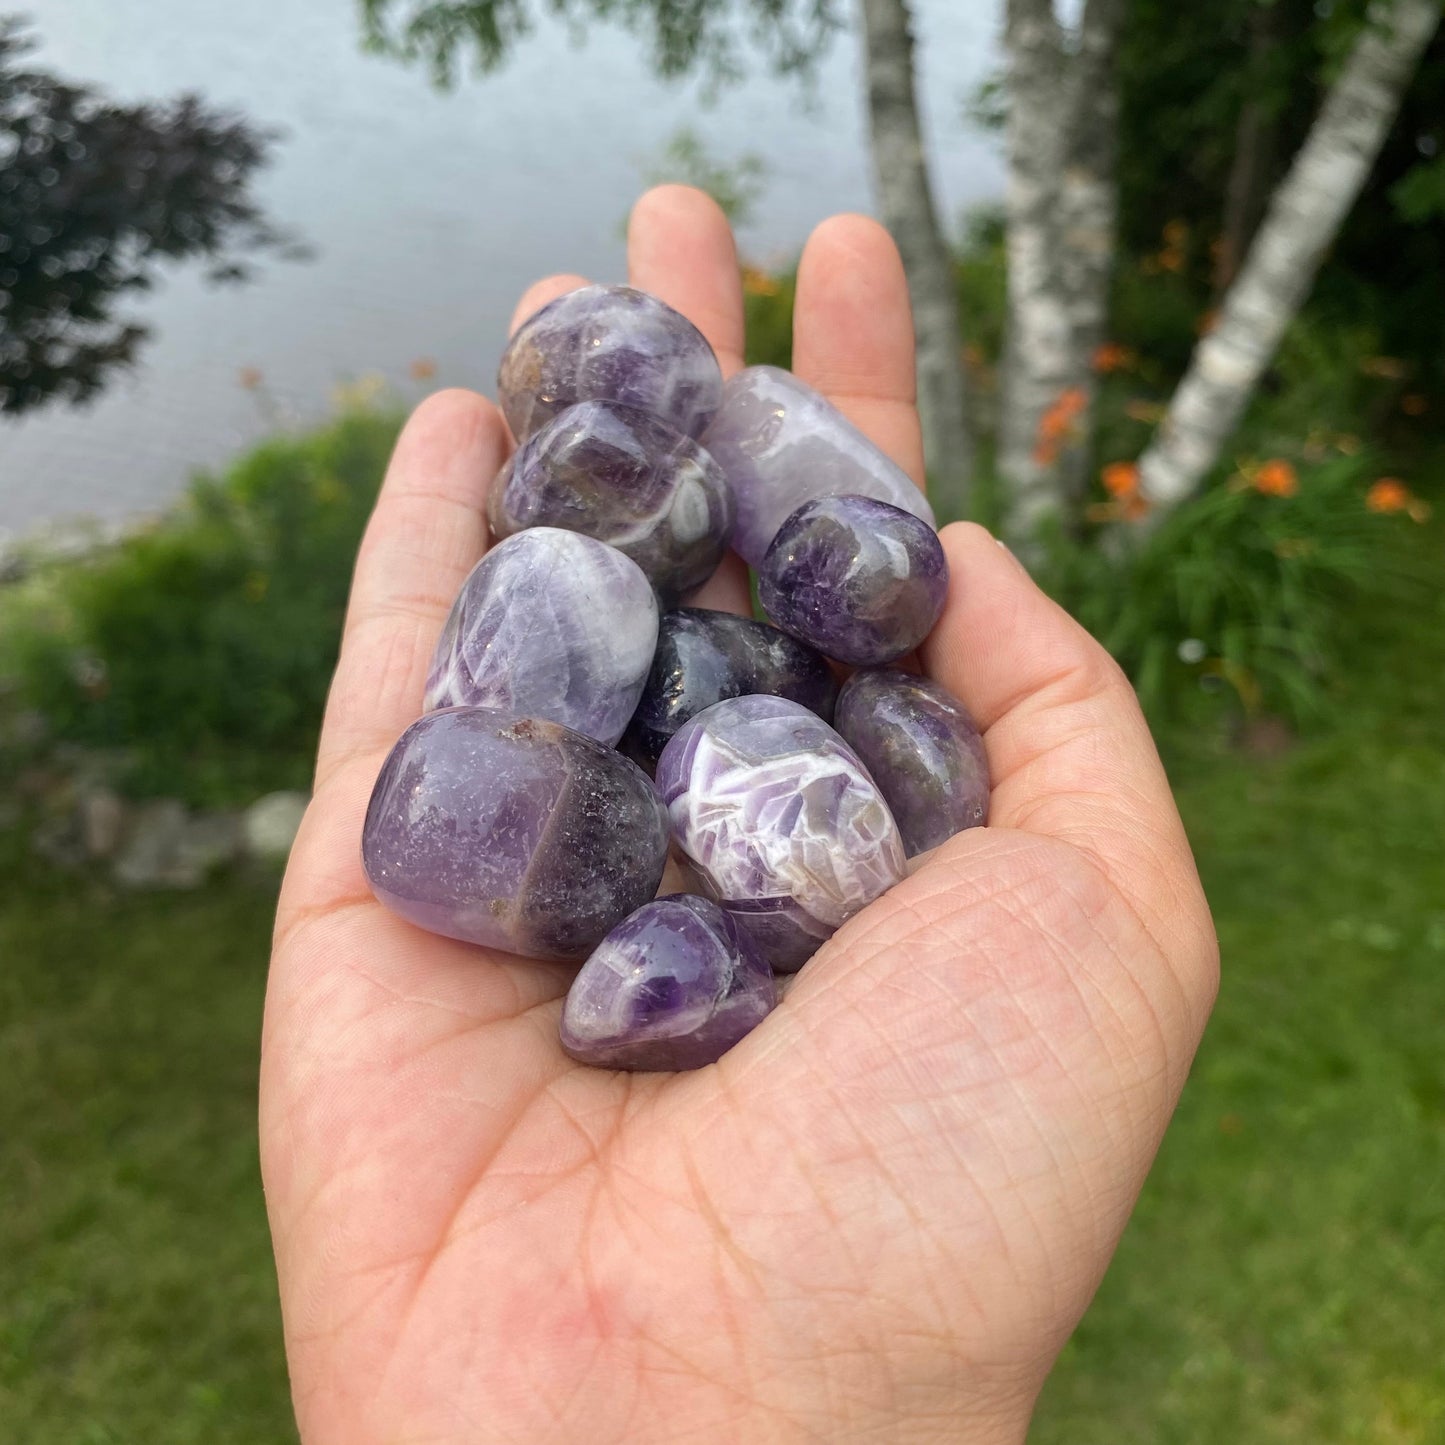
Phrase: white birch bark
(905, 198)
(1303, 219)
(1061, 204)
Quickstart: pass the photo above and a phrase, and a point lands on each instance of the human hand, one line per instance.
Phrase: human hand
(879, 1216)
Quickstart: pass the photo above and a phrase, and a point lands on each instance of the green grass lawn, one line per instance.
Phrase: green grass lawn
(1282, 1281)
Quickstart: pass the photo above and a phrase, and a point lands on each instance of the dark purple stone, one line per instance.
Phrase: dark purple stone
(609, 343)
(705, 656)
(781, 818)
(549, 624)
(514, 833)
(673, 986)
(861, 580)
(627, 479)
(924, 751)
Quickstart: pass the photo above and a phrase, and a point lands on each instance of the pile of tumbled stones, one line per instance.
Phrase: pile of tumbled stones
(580, 723)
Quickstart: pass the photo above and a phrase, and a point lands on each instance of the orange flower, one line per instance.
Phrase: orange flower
(1389, 494)
(1206, 323)
(1389, 368)
(1120, 479)
(250, 377)
(1056, 424)
(1176, 233)
(1112, 357)
(1414, 404)
(1276, 479)
(1170, 260)
(757, 282)
(423, 369)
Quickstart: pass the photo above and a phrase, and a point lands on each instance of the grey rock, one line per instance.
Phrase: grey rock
(102, 821)
(167, 847)
(269, 826)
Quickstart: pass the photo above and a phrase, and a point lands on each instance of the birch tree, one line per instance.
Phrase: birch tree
(1303, 218)
(905, 199)
(1061, 137)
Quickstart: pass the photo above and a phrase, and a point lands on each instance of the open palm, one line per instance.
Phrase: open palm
(878, 1217)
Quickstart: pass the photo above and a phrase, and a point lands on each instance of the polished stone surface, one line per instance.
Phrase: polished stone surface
(705, 656)
(860, 580)
(782, 819)
(782, 444)
(550, 624)
(674, 986)
(924, 752)
(608, 343)
(628, 479)
(514, 833)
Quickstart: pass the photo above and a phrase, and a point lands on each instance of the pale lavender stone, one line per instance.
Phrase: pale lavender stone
(550, 624)
(615, 473)
(608, 343)
(924, 751)
(673, 986)
(514, 833)
(860, 580)
(781, 444)
(782, 819)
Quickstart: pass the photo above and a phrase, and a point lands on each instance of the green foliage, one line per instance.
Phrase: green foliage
(737, 186)
(683, 35)
(1237, 587)
(768, 312)
(204, 646)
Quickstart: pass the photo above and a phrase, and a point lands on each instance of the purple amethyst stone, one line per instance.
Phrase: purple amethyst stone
(514, 833)
(609, 343)
(673, 986)
(781, 819)
(626, 478)
(781, 444)
(858, 579)
(924, 751)
(705, 656)
(550, 624)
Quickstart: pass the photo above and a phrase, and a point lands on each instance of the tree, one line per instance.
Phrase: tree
(94, 197)
(702, 35)
(1060, 123)
(905, 198)
(1304, 216)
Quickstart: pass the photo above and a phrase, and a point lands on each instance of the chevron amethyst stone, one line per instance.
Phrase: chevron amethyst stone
(860, 580)
(782, 820)
(615, 473)
(674, 986)
(781, 444)
(924, 751)
(550, 624)
(512, 832)
(608, 343)
(705, 656)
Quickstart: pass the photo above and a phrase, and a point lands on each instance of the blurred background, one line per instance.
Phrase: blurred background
(1178, 273)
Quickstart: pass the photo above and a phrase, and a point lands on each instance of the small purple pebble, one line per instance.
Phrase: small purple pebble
(924, 751)
(674, 986)
(515, 833)
(782, 820)
(609, 343)
(861, 580)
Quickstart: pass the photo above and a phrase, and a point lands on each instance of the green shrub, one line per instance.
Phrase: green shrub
(1238, 587)
(204, 645)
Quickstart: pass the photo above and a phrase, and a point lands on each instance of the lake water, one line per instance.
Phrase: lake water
(428, 212)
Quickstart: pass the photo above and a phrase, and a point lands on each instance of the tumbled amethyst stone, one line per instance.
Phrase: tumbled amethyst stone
(674, 986)
(860, 580)
(781, 444)
(550, 624)
(628, 479)
(512, 832)
(705, 656)
(608, 343)
(924, 751)
(782, 820)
